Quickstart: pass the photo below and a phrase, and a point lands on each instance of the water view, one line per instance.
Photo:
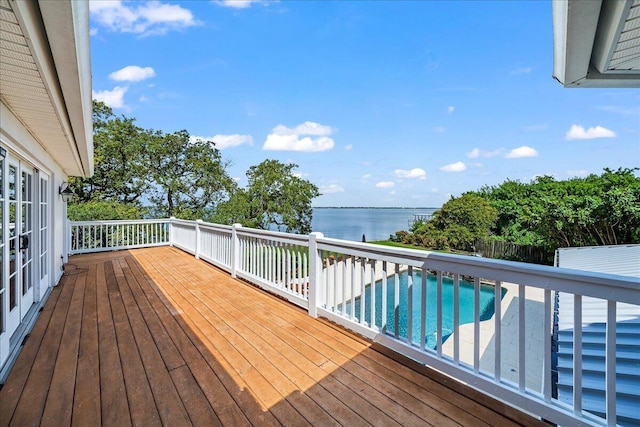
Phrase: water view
(466, 306)
(373, 223)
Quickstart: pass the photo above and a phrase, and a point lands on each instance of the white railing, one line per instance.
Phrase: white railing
(487, 323)
(98, 236)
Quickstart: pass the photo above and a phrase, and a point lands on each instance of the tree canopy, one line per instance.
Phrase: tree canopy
(456, 225)
(274, 196)
(546, 213)
(145, 172)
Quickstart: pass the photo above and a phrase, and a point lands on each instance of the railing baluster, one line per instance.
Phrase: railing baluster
(362, 290)
(423, 309)
(439, 313)
(456, 318)
(577, 354)
(353, 288)
(410, 305)
(343, 263)
(384, 297)
(335, 281)
(610, 364)
(396, 301)
(546, 384)
(476, 325)
(372, 292)
(522, 332)
(497, 334)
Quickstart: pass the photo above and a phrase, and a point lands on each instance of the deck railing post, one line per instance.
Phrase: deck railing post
(171, 230)
(315, 272)
(197, 245)
(235, 250)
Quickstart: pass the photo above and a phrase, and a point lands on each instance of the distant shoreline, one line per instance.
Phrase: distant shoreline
(371, 207)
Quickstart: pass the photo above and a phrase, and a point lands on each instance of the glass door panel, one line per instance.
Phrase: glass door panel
(26, 238)
(13, 317)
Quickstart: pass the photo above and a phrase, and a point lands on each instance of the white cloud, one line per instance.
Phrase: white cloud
(226, 141)
(132, 73)
(330, 189)
(578, 132)
(308, 137)
(366, 176)
(348, 147)
(439, 129)
(113, 98)
(523, 70)
(145, 18)
(523, 151)
(413, 173)
(476, 152)
(237, 4)
(385, 184)
(454, 167)
(451, 109)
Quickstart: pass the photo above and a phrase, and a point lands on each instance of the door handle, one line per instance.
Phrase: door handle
(24, 242)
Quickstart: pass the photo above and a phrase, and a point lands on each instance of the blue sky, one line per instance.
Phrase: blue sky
(380, 103)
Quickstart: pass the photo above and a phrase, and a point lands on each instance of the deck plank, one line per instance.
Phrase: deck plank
(155, 337)
(142, 405)
(113, 395)
(34, 396)
(166, 397)
(59, 404)
(12, 389)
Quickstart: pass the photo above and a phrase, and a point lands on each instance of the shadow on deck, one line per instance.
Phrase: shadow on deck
(156, 337)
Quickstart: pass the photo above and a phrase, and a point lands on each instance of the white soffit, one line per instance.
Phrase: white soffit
(597, 43)
(38, 86)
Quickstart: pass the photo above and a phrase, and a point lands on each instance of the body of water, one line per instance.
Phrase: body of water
(373, 223)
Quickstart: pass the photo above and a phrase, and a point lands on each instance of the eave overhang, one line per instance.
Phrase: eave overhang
(596, 43)
(45, 77)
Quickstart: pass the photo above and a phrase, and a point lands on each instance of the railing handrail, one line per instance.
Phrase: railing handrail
(592, 284)
(121, 221)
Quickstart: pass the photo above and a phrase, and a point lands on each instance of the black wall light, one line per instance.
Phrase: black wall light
(65, 192)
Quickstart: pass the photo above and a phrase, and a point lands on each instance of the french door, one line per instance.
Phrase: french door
(20, 233)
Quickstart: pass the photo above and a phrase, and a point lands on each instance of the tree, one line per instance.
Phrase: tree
(135, 166)
(457, 224)
(596, 210)
(274, 197)
(120, 166)
(189, 178)
(102, 210)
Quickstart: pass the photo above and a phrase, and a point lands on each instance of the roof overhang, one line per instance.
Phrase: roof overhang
(596, 43)
(45, 77)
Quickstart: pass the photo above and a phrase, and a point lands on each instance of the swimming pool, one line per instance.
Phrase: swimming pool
(466, 308)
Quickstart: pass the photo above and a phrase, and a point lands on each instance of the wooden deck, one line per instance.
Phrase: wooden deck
(156, 337)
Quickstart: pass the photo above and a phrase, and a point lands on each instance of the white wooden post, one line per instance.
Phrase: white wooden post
(171, 230)
(197, 245)
(315, 272)
(235, 250)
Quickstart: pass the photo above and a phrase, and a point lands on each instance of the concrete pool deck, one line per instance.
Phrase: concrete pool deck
(534, 338)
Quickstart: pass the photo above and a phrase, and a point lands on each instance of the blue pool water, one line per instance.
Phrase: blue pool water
(466, 306)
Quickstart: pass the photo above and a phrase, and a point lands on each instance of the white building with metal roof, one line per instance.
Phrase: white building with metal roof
(590, 365)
